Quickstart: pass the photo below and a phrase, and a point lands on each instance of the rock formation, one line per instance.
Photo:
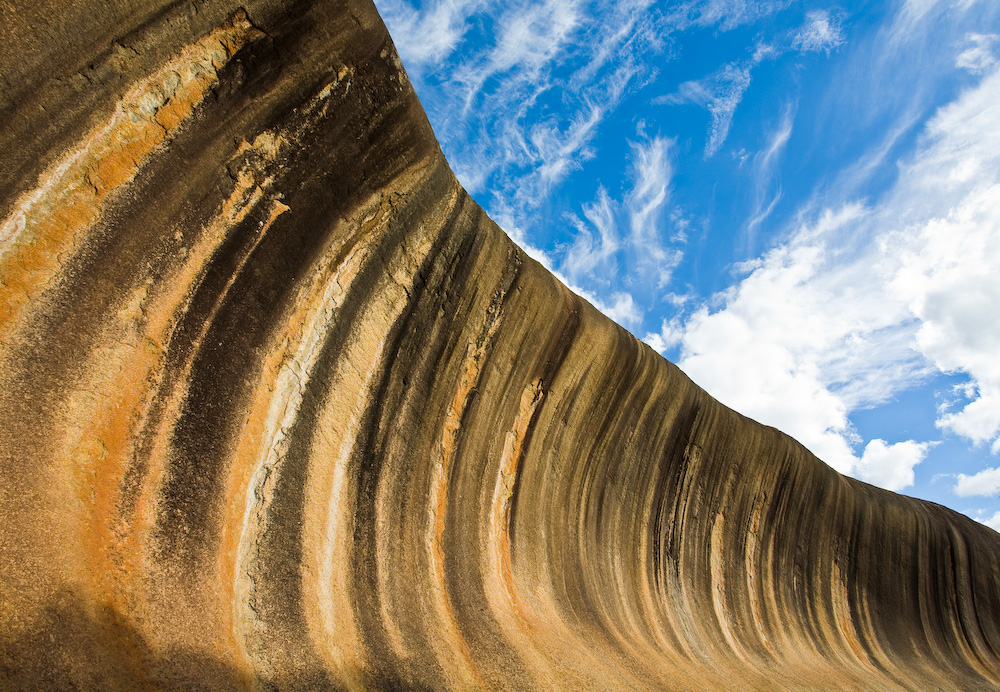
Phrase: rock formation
(281, 408)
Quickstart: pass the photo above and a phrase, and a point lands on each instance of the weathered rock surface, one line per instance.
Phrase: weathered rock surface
(282, 408)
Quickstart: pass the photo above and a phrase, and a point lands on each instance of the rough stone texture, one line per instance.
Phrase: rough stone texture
(283, 409)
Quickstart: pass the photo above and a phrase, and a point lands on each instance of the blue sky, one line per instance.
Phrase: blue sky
(797, 202)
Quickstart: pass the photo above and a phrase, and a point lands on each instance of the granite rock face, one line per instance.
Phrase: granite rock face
(281, 408)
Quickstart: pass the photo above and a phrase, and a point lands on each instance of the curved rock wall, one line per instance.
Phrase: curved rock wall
(283, 409)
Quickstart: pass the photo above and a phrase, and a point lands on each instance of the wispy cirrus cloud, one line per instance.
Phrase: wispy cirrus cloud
(765, 162)
(727, 14)
(526, 106)
(518, 108)
(597, 239)
(528, 38)
(722, 91)
(646, 203)
(619, 306)
(428, 36)
(821, 32)
(629, 232)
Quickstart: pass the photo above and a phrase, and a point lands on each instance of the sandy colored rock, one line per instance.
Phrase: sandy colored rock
(283, 409)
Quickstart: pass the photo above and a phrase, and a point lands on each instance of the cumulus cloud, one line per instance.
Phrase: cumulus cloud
(805, 339)
(949, 278)
(947, 272)
(622, 309)
(670, 335)
(869, 300)
(986, 482)
(993, 522)
(891, 466)
(801, 340)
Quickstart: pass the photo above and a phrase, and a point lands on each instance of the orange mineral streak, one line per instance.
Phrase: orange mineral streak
(510, 459)
(127, 376)
(438, 505)
(501, 592)
(115, 383)
(113, 401)
(48, 222)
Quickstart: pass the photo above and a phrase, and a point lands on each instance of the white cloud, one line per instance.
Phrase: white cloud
(646, 202)
(631, 233)
(765, 162)
(622, 310)
(720, 92)
(871, 299)
(653, 171)
(558, 151)
(776, 350)
(729, 14)
(622, 307)
(948, 270)
(511, 227)
(986, 482)
(891, 466)
(993, 522)
(854, 180)
(733, 82)
(426, 36)
(777, 141)
(670, 335)
(592, 251)
(493, 105)
(530, 36)
(820, 33)
(620, 33)
(979, 421)
(912, 19)
(978, 57)
(801, 342)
